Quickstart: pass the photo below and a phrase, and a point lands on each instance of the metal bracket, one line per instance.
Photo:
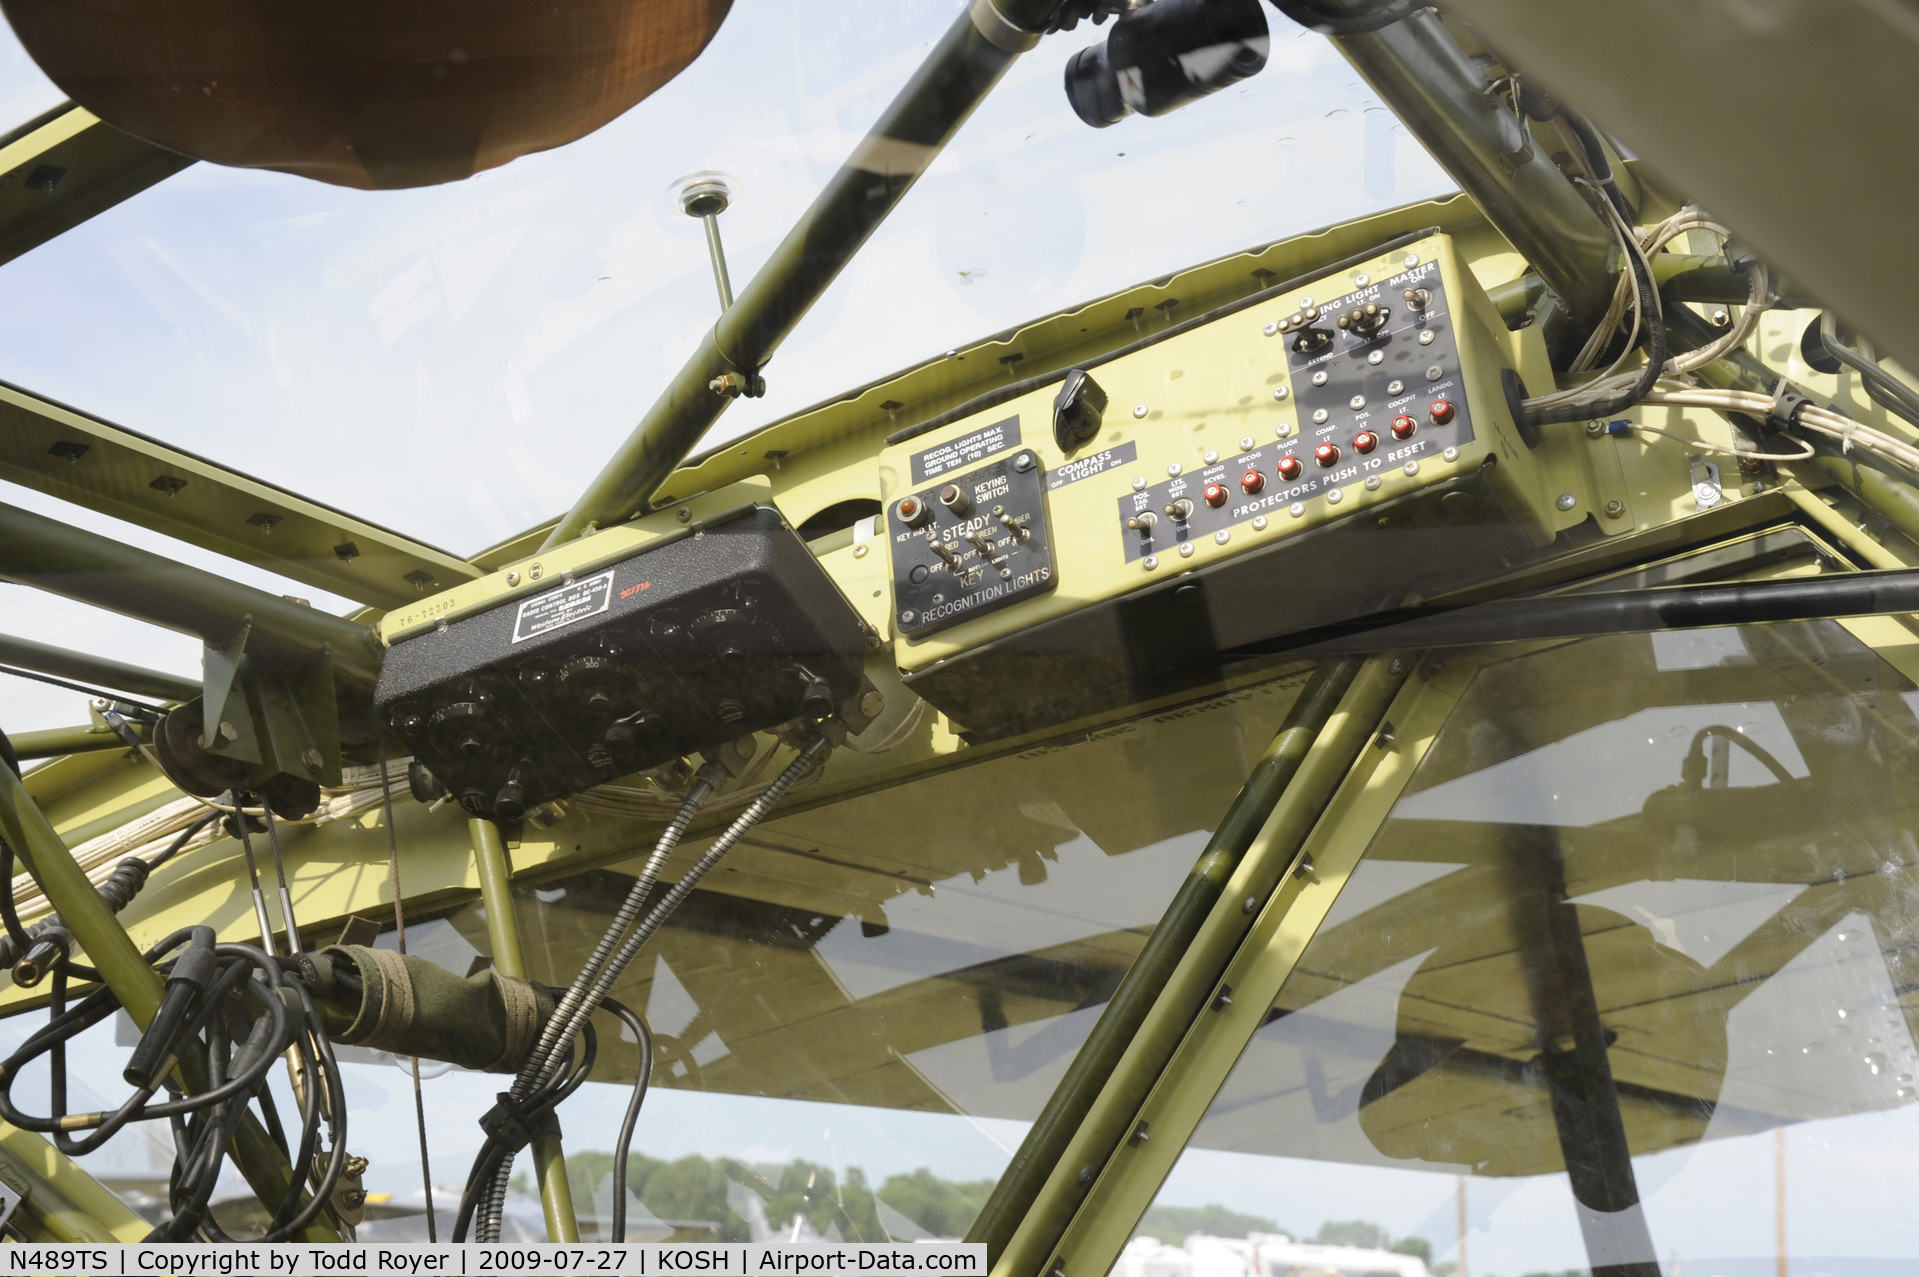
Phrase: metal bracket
(220, 668)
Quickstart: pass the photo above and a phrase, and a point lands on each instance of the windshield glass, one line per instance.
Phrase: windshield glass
(1620, 980)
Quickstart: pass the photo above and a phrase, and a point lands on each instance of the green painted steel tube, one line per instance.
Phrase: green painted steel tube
(1439, 94)
(962, 67)
(111, 952)
(52, 556)
(1046, 1142)
(44, 658)
(503, 932)
(1185, 987)
(58, 742)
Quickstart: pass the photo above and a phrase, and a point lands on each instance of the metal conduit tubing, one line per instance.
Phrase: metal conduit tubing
(57, 742)
(1891, 495)
(1187, 985)
(1439, 94)
(962, 67)
(43, 658)
(111, 952)
(503, 933)
(52, 556)
(1144, 980)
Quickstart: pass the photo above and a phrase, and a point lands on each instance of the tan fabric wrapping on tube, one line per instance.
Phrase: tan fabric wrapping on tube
(412, 1007)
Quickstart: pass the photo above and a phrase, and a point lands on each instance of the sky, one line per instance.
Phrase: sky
(457, 361)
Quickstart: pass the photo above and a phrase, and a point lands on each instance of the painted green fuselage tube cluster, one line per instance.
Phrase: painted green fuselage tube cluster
(1145, 980)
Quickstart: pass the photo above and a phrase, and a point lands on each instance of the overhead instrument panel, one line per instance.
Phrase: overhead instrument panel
(970, 543)
(1334, 447)
(1377, 372)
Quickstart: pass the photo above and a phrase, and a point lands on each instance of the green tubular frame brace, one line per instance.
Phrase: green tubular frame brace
(1335, 716)
(111, 951)
(503, 931)
(962, 68)
(1145, 980)
(44, 658)
(58, 742)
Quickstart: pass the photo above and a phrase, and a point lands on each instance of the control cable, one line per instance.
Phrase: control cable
(399, 929)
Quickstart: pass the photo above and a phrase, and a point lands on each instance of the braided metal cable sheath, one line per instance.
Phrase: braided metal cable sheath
(561, 1026)
(495, 1208)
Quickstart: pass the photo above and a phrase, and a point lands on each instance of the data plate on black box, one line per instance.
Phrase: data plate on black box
(969, 544)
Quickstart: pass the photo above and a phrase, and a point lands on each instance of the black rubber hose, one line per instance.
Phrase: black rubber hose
(642, 1078)
(1596, 161)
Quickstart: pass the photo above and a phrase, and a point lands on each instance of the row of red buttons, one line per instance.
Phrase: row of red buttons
(1327, 454)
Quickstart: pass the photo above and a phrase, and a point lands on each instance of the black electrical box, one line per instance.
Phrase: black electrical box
(730, 627)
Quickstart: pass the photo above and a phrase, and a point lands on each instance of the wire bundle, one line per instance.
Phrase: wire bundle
(229, 1008)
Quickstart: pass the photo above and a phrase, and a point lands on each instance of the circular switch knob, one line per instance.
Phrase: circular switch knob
(1404, 426)
(1326, 454)
(1365, 441)
(1441, 412)
(913, 512)
(1215, 495)
(1289, 467)
(1252, 481)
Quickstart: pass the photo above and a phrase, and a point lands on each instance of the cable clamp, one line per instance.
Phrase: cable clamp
(513, 1127)
(1786, 406)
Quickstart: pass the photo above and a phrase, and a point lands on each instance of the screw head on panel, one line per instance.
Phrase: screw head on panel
(1139, 410)
(1280, 392)
(1566, 501)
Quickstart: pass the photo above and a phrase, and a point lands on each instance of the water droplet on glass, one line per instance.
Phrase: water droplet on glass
(1338, 112)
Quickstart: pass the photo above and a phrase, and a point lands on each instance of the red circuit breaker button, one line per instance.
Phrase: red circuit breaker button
(1326, 454)
(1289, 467)
(1365, 441)
(1215, 495)
(1441, 412)
(1252, 481)
(1404, 426)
